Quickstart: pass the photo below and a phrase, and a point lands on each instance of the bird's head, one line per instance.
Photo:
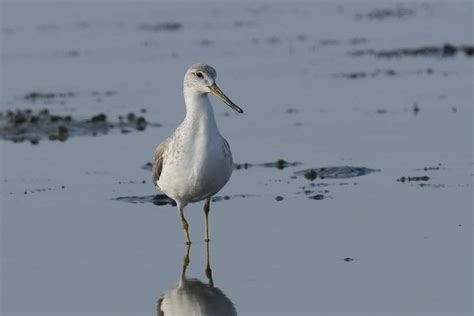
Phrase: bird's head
(201, 79)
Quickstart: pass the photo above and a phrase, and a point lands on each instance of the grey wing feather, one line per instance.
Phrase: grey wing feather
(227, 151)
(158, 160)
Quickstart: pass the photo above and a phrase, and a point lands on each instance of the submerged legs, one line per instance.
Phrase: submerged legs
(185, 225)
(206, 214)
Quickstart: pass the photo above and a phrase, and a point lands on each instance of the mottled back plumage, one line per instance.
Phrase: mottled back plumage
(157, 166)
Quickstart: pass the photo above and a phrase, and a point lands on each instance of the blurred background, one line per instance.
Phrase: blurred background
(352, 191)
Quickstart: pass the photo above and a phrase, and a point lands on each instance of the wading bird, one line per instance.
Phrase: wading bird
(195, 162)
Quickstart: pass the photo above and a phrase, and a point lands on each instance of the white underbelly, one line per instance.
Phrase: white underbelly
(191, 178)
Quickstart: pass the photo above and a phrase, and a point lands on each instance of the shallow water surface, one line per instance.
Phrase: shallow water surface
(352, 191)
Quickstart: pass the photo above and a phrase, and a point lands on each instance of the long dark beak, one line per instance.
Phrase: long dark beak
(215, 90)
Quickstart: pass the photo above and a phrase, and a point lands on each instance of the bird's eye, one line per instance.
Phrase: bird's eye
(199, 74)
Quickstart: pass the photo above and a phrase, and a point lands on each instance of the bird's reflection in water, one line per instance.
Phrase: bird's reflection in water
(193, 297)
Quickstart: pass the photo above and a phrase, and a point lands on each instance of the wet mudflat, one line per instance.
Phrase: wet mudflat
(351, 192)
(26, 125)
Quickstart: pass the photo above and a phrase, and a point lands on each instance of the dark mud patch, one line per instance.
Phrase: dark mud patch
(279, 164)
(162, 26)
(348, 259)
(343, 172)
(66, 53)
(387, 73)
(432, 185)
(337, 42)
(317, 197)
(34, 96)
(132, 182)
(325, 184)
(34, 126)
(443, 51)
(161, 199)
(320, 190)
(440, 185)
(381, 111)
(415, 109)
(321, 195)
(292, 111)
(41, 190)
(413, 179)
(148, 166)
(430, 168)
(49, 97)
(439, 166)
(380, 14)
(302, 38)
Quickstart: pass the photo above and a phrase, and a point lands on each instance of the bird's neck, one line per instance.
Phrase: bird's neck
(199, 112)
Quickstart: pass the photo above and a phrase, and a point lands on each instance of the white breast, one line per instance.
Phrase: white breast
(198, 162)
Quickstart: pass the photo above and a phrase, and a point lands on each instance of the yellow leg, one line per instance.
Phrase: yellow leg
(206, 214)
(185, 226)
